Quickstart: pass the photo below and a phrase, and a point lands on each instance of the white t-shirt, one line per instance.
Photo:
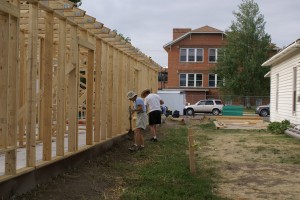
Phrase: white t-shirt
(153, 102)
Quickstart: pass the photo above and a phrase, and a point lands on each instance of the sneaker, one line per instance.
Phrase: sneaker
(141, 147)
(153, 139)
(133, 148)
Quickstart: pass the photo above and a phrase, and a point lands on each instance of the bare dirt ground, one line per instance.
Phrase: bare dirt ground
(254, 164)
(100, 178)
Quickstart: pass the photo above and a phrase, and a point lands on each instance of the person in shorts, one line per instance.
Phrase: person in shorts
(153, 102)
(141, 121)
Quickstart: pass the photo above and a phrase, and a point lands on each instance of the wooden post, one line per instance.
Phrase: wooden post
(4, 42)
(41, 87)
(61, 99)
(115, 94)
(191, 151)
(104, 92)
(89, 98)
(98, 92)
(73, 92)
(22, 87)
(31, 85)
(46, 105)
(109, 91)
(13, 53)
(121, 95)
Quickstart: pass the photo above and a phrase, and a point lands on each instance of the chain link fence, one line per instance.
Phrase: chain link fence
(246, 101)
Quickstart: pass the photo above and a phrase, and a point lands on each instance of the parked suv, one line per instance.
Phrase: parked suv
(213, 106)
(263, 110)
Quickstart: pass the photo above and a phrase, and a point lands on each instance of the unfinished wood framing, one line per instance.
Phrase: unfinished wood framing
(58, 63)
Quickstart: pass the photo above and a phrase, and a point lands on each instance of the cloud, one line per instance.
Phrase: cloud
(149, 24)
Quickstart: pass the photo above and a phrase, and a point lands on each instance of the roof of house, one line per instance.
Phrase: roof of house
(283, 53)
(204, 29)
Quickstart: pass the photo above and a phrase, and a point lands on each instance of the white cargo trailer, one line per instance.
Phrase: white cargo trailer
(174, 99)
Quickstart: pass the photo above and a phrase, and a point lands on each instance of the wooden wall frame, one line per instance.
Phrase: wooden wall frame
(44, 46)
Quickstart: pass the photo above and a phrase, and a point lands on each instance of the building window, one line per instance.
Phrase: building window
(190, 80)
(214, 80)
(191, 55)
(212, 55)
(294, 88)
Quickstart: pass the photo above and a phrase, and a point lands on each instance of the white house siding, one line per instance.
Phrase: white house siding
(285, 98)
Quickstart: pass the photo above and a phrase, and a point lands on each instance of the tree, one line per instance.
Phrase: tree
(77, 3)
(127, 39)
(248, 46)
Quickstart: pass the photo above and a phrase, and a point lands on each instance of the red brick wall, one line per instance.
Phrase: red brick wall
(177, 32)
(175, 67)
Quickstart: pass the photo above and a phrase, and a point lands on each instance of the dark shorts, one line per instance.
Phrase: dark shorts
(155, 117)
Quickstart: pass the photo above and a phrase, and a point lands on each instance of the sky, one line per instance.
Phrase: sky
(149, 23)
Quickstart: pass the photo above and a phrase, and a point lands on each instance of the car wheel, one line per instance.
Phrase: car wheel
(263, 113)
(190, 111)
(215, 112)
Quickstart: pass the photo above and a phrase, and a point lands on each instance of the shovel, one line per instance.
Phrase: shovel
(130, 134)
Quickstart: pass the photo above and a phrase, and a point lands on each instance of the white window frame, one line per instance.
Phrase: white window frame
(195, 53)
(216, 55)
(194, 80)
(216, 81)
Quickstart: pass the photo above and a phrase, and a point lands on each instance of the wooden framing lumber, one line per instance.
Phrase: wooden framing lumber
(73, 84)
(10, 156)
(89, 98)
(9, 8)
(61, 89)
(46, 100)
(98, 92)
(104, 92)
(40, 79)
(110, 91)
(30, 87)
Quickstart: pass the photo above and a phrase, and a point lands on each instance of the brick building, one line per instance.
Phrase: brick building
(191, 57)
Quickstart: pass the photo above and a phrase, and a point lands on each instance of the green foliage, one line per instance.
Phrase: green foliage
(248, 46)
(127, 39)
(77, 3)
(278, 127)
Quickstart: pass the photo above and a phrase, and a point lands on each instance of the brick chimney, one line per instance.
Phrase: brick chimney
(177, 32)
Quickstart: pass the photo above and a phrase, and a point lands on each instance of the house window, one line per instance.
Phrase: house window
(191, 55)
(214, 80)
(294, 88)
(183, 55)
(190, 80)
(212, 55)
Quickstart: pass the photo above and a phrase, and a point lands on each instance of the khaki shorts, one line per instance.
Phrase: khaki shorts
(142, 120)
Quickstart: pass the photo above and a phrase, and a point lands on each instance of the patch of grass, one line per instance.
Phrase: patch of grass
(166, 175)
(290, 159)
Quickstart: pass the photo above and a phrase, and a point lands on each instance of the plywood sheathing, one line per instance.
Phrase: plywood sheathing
(44, 47)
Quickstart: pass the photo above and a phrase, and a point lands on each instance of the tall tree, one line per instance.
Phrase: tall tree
(77, 3)
(248, 46)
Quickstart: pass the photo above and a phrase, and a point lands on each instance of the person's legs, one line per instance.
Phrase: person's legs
(134, 147)
(140, 138)
(153, 130)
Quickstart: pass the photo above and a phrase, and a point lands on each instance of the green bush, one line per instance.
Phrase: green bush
(278, 127)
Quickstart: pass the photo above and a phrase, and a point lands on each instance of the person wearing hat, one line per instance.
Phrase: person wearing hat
(153, 102)
(141, 121)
